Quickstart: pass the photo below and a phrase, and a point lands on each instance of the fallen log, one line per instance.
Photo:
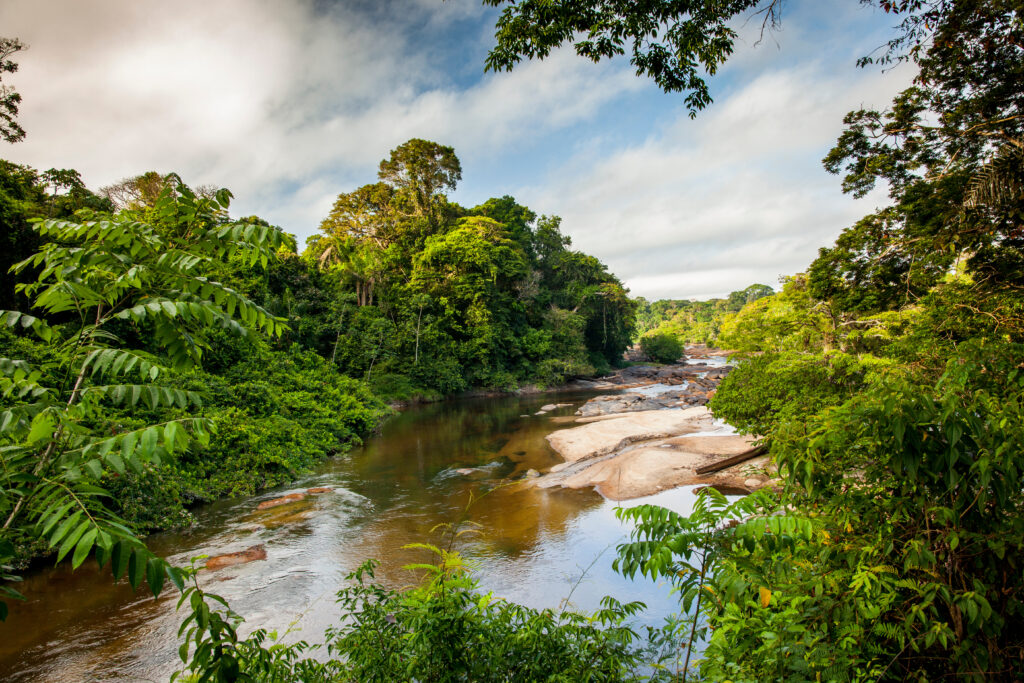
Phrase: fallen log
(734, 460)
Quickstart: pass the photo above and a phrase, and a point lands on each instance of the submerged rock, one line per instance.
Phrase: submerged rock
(551, 406)
(319, 489)
(283, 500)
(250, 554)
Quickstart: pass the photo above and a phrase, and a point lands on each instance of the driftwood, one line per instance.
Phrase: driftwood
(729, 462)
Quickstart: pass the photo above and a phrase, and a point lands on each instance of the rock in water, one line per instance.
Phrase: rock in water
(319, 489)
(283, 500)
(250, 554)
(618, 431)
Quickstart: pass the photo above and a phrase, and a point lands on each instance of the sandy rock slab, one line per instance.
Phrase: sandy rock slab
(612, 433)
(663, 464)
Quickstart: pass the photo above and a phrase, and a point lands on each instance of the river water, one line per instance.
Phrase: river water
(538, 547)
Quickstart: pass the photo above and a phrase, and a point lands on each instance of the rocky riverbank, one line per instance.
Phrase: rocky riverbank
(656, 434)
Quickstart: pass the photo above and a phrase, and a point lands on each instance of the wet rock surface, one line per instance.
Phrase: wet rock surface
(637, 442)
(250, 554)
(608, 436)
(283, 500)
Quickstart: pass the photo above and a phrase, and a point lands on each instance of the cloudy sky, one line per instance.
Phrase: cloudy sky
(288, 103)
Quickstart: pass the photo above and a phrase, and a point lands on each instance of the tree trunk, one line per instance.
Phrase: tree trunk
(419, 317)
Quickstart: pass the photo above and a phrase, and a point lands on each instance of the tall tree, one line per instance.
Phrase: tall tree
(421, 171)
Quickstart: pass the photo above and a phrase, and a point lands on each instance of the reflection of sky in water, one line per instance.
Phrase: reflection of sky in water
(534, 547)
(583, 556)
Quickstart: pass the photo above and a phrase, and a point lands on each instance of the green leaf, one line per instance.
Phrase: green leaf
(65, 527)
(148, 443)
(95, 468)
(155, 575)
(42, 428)
(71, 539)
(82, 549)
(119, 557)
(177, 577)
(115, 461)
(137, 567)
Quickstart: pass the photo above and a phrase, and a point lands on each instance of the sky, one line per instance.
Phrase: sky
(289, 103)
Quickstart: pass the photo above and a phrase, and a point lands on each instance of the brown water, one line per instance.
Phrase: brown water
(537, 547)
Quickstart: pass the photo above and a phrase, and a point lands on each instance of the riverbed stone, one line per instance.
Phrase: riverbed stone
(618, 431)
(283, 500)
(250, 554)
(655, 465)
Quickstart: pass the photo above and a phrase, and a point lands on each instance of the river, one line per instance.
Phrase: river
(536, 547)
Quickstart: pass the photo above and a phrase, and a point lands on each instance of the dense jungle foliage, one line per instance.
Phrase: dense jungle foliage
(692, 321)
(112, 299)
(428, 297)
(887, 381)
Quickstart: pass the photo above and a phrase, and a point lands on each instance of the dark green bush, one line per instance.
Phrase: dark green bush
(662, 347)
(277, 415)
(766, 390)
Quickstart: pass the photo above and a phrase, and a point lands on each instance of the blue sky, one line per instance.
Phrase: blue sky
(290, 103)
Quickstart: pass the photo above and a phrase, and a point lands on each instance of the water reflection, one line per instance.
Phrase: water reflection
(536, 546)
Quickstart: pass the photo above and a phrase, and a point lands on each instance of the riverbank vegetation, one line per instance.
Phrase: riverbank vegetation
(692, 321)
(887, 381)
(141, 319)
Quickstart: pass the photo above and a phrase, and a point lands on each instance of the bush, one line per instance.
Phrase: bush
(662, 347)
(277, 414)
(443, 630)
(764, 391)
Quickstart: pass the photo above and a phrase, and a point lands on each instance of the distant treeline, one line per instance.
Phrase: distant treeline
(692, 321)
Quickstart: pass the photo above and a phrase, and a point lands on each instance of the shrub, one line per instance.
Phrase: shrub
(764, 391)
(662, 347)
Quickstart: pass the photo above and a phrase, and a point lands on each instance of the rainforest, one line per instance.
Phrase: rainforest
(429, 412)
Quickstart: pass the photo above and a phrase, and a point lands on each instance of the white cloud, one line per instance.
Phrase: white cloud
(276, 100)
(289, 103)
(734, 197)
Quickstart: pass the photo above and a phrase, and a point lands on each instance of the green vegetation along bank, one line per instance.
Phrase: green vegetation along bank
(886, 381)
(159, 353)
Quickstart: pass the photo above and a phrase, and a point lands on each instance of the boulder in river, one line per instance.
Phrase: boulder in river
(638, 402)
(662, 464)
(319, 489)
(250, 554)
(608, 434)
(283, 500)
